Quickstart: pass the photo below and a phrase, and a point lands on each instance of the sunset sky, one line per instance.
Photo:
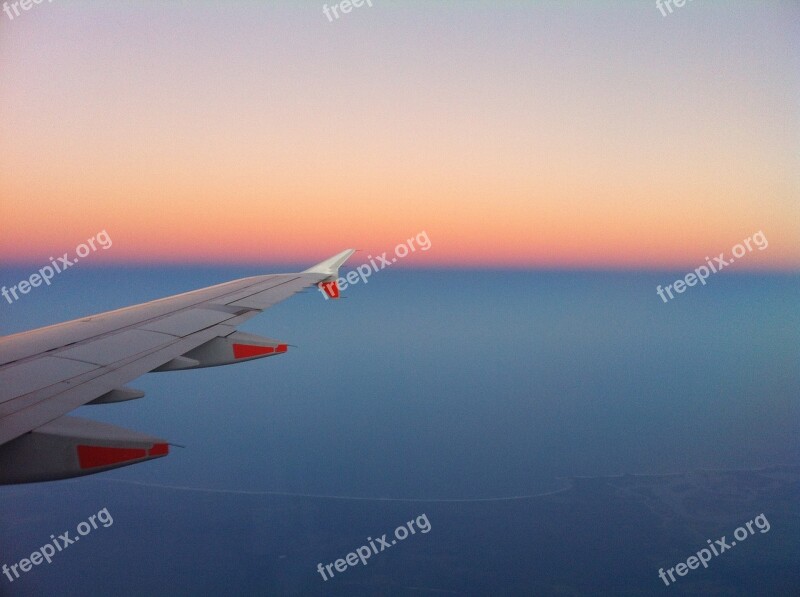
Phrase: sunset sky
(523, 134)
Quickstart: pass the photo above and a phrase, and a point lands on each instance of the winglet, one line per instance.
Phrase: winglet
(330, 268)
(331, 265)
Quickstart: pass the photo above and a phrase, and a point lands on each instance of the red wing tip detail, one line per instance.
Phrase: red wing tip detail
(98, 456)
(330, 288)
(245, 351)
(159, 450)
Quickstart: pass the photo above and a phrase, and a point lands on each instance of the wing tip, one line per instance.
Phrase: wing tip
(330, 267)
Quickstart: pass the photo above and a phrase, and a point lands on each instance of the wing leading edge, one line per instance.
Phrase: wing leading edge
(46, 373)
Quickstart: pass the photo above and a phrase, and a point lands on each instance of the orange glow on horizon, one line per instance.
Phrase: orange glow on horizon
(509, 152)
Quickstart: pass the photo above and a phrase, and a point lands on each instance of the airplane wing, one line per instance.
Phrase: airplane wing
(48, 372)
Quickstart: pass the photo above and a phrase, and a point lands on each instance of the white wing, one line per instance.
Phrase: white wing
(46, 373)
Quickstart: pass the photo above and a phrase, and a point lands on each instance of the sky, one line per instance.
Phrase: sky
(516, 134)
